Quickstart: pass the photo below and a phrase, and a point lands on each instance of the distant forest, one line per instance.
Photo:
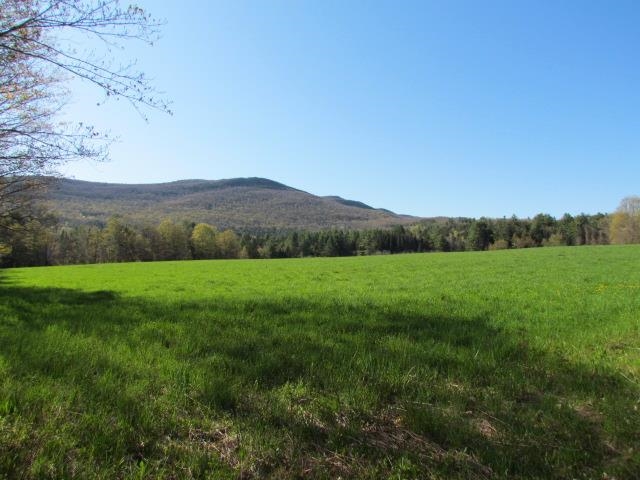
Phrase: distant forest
(45, 242)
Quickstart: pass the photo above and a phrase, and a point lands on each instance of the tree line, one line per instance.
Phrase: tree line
(42, 241)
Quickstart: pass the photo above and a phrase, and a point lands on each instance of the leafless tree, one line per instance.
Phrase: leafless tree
(37, 59)
(625, 222)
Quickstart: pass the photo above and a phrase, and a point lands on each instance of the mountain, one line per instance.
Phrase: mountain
(243, 204)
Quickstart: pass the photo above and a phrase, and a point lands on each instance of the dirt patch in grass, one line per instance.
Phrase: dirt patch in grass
(486, 429)
(383, 436)
(588, 413)
(220, 440)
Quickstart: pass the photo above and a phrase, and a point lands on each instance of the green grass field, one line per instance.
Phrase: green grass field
(509, 364)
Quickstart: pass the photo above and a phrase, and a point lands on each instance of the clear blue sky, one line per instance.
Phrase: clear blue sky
(457, 108)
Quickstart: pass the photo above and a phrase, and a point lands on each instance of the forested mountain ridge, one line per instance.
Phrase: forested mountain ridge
(243, 204)
(258, 218)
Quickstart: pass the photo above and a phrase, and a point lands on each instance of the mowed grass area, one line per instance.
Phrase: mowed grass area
(510, 364)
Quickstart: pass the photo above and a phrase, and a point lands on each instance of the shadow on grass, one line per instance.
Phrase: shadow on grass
(94, 384)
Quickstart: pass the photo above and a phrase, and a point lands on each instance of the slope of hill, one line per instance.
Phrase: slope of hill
(241, 203)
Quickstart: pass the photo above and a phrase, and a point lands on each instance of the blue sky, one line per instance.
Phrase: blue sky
(457, 108)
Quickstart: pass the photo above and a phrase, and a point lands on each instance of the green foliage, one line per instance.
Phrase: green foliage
(228, 244)
(27, 242)
(480, 235)
(511, 364)
(203, 242)
(567, 228)
(173, 241)
(122, 241)
(542, 227)
(499, 244)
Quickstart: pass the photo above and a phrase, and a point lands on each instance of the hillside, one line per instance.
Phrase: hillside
(244, 204)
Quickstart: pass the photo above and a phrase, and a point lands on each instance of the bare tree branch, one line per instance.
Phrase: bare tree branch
(35, 63)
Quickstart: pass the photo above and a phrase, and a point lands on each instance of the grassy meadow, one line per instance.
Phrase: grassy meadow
(507, 364)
